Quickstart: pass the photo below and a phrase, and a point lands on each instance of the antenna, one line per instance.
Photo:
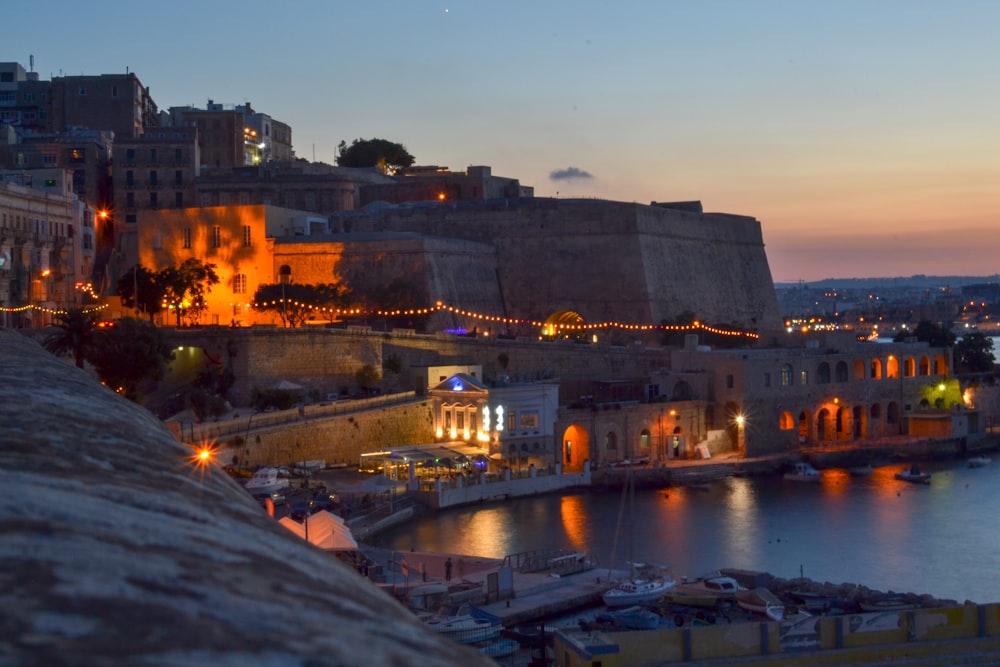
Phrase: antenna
(31, 61)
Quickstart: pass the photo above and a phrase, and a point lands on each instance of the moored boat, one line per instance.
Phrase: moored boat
(464, 624)
(636, 591)
(979, 461)
(913, 474)
(803, 472)
(761, 601)
(266, 480)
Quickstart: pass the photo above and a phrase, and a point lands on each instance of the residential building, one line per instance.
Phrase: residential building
(47, 246)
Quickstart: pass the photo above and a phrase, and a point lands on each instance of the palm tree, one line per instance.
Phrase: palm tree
(75, 335)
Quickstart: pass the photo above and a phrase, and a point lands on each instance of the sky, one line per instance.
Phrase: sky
(863, 135)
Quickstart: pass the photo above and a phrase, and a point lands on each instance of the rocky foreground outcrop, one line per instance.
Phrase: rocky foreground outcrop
(116, 548)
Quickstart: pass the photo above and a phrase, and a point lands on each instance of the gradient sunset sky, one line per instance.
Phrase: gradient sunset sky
(865, 136)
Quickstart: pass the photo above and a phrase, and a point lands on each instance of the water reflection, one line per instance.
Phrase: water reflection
(874, 530)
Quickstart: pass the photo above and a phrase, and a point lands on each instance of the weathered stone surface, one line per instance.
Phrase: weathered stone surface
(117, 549)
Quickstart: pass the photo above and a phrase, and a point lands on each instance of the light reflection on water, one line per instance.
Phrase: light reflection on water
(941, 539)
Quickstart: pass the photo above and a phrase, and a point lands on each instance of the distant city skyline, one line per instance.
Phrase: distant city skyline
(862, 135)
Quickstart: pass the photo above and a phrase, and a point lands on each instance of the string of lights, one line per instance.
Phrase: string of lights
(53, 311)
(550, 328)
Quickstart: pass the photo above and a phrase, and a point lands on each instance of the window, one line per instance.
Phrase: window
(178, 200)
(82, 90)
(730, 381)
(240, 287)
(153, 179)
(244, 198)
(114, 91)
(804, 377)
(178, 178)
(152, 156)
(130, 199)
(178, 155)
(460, 420)
(216, 236)
(187, 237)
(7, 98)
(246, 236)
(511, 420)
(529, 420)
(130, 218)
(767, 379)
(154, 200)
(130, 155)
(76, 155)
(130, 178)
(786, 375)
(49, 159)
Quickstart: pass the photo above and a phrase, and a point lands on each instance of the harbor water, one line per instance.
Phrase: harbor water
(942, 539)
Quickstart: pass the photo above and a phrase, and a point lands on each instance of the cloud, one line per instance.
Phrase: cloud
(569, 173)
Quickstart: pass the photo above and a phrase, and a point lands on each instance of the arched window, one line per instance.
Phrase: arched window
(823, 373)
(786, 375)
(841, 371)
(786, 422)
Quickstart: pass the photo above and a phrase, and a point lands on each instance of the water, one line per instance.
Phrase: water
(941, 539)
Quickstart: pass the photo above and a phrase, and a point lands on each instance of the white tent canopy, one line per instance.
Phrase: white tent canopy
(324, 530)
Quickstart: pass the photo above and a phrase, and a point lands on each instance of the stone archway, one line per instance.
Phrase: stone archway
(564, 324)
(575, 448)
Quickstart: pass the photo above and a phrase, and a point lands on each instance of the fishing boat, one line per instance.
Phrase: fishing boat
(979, 461)
(913, 474)
(761, 601)
(803, 472)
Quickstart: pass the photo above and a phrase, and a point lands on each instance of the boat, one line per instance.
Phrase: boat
(266, 480)
(497, 648)
(979, 461)
(634, 591)
(637, 588)
(889, 603)
(704, 591)
(861, 471)
(803, 472)
(761, 601)
(464, 624)
(631, 618)
(913, 474)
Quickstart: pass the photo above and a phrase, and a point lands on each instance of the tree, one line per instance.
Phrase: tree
(129, 353)
(367, 376)
(293, 303)
(388, 156)
(928, 332)
(75, 335)
(139, 288)
(185, 287)
(974, 354)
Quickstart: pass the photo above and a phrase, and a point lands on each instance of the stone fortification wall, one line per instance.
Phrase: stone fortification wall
(452, 271)
(340, 439)
(605, 260)
(324, 360)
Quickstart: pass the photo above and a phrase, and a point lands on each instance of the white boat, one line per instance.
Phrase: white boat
(637, 588)
(266, 480)
(913, 474)
(464, 624)
(761, 601)
(803, 472)
(979, 461)
(636, 591)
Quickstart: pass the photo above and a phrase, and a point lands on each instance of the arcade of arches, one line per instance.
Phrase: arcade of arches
(836, 419)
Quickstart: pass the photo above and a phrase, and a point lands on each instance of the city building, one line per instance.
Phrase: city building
(440, 184)
(48, 239)
(235, 136)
